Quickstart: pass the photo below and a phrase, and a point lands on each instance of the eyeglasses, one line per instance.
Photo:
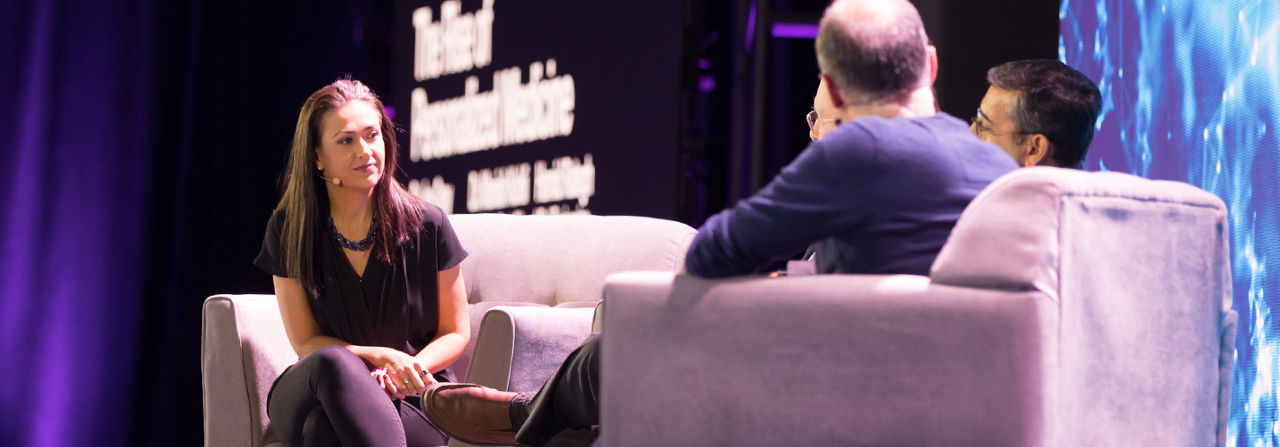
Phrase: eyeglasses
(812, 119)
(982, 130)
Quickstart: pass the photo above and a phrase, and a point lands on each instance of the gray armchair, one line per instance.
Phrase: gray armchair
(532, 284)
(1067, 308)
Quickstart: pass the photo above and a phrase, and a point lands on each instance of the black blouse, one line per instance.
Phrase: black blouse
(395, 304)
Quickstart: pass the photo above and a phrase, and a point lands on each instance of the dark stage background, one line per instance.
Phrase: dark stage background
(570, 109)
(144, 139)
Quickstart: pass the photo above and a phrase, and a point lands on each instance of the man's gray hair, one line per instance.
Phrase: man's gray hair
(874, 52)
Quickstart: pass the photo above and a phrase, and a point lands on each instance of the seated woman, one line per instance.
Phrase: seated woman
(368, 281)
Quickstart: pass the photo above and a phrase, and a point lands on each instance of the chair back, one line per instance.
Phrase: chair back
(563, 258)
(1140, 272)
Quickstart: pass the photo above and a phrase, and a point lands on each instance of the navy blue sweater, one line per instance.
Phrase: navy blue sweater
(879, 196)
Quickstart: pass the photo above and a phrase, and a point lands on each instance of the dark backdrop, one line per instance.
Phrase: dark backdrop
(229, 78)
(142, 144)
(624, 62)
(144, 141)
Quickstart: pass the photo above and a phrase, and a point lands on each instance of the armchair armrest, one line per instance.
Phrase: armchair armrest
(821, 360)
(243, 349)
(518, 348)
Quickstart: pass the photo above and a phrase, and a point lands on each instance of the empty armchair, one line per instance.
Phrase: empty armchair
(1067, 308)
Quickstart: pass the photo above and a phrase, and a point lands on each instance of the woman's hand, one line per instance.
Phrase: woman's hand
(386, 384)
(394, 387)
(398, 374)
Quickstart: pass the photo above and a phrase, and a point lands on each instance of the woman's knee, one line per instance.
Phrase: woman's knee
(335, 360)
(317, 431)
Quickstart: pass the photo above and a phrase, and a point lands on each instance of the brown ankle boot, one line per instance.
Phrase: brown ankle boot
(471, 413)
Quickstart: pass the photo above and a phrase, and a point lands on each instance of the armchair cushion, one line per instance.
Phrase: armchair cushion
(556, 259)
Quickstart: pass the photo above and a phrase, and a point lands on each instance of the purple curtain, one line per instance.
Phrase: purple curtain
(140, 144)
(73, 231)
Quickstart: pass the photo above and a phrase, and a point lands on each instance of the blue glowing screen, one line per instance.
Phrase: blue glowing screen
(1191, 92)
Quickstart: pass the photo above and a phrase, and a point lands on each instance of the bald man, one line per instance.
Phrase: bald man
(881, 190)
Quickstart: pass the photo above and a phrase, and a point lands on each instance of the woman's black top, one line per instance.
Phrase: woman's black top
(395, 304)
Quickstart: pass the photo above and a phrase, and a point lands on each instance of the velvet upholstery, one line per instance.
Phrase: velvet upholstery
(1067, 308)
(539, 276)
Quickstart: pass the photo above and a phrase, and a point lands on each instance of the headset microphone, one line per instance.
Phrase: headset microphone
(335, 180)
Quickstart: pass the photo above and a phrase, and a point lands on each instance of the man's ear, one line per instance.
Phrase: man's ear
(931, 57)
(833, 91)
(1039, 151)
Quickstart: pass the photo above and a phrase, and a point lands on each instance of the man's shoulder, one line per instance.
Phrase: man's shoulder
(870, 136)
(939, 123)
(936, 145)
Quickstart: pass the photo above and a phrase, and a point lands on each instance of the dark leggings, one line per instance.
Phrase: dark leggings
(328, 398)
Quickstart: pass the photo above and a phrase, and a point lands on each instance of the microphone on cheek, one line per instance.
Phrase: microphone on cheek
(335, 180)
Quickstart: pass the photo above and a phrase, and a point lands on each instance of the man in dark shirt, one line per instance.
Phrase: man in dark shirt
(879, 191)
(1039, 111)
(883, 185)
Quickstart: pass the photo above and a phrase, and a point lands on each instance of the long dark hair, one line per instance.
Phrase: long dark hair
(398, 212)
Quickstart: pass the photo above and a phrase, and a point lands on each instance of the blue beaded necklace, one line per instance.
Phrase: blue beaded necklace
(360, 245)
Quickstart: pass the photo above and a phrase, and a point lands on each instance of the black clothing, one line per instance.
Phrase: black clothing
(328, 399)
(394, 305)
(880, 194)
(566, 411)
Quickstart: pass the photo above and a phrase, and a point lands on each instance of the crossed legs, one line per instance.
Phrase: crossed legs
(329, 398)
